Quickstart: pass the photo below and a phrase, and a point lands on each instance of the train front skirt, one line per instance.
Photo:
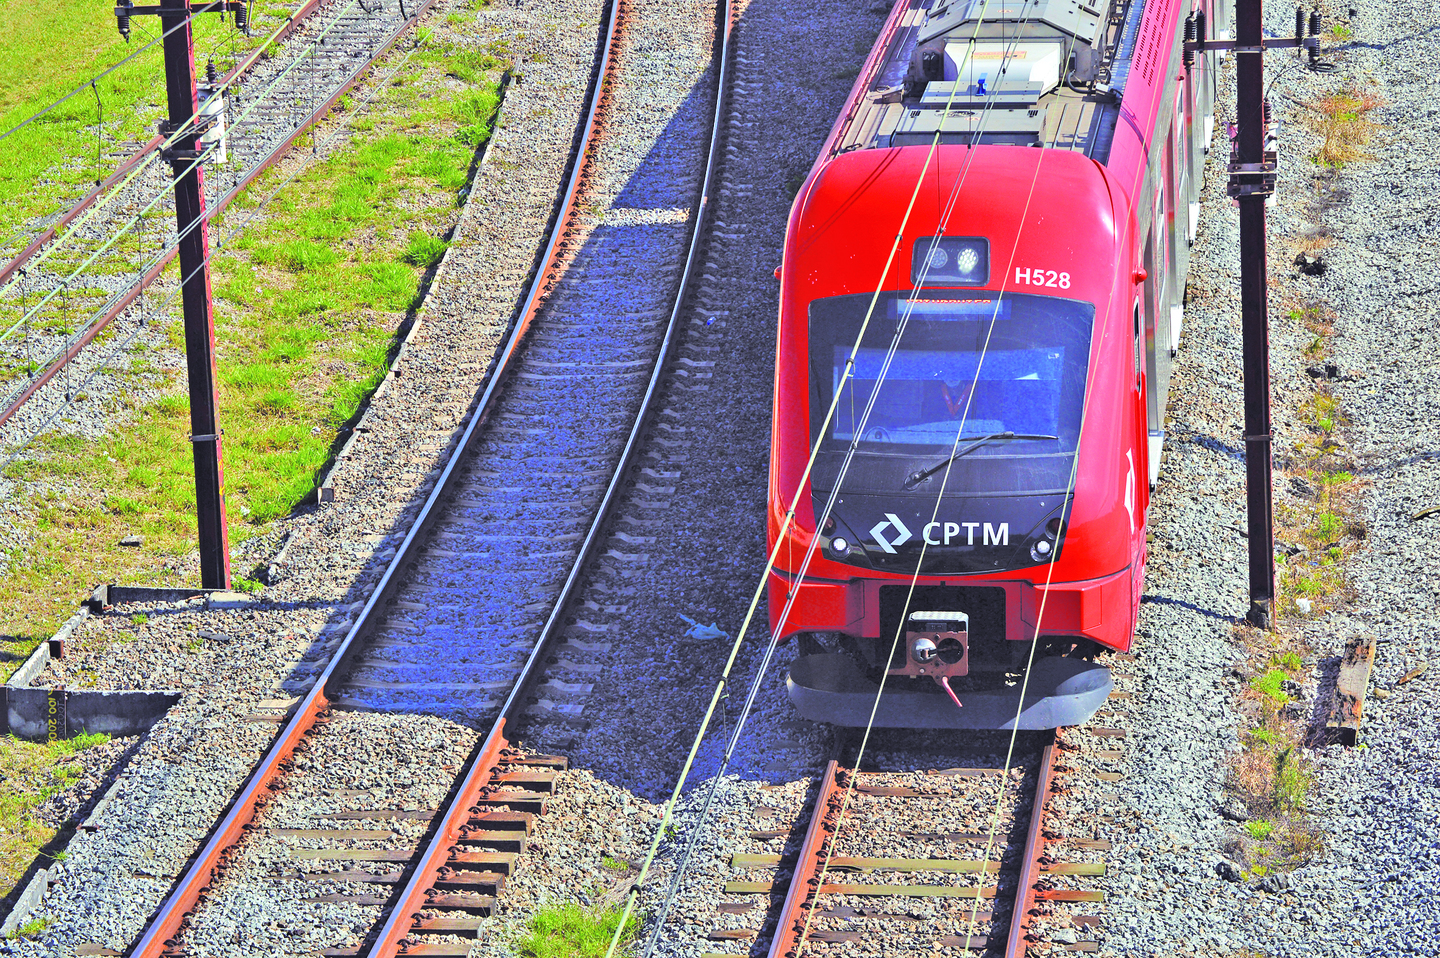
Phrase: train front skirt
(830, 687)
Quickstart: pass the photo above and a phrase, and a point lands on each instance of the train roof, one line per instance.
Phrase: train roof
(1068, 218)
(1049, 73)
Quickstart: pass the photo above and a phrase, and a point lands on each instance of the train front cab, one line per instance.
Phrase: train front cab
(1163, 187)
(1091, 592)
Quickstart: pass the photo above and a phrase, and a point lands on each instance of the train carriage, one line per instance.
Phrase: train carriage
(981, 293)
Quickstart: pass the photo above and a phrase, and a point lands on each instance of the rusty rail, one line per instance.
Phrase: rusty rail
(805, 883)
(1030, 858)
(403, 916)
(265, 777)
(167, 922)
(125, 300)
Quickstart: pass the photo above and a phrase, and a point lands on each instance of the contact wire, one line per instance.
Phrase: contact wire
(719, 692)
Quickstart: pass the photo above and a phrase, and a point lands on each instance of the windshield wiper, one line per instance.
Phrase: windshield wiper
(920, 475)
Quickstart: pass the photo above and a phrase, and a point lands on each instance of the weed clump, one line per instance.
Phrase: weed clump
(1342, 120)
(568, 930)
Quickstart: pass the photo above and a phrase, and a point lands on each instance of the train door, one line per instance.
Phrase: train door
(1152, 425)
(1137, 491)
(1170, 226)
(1186, 210)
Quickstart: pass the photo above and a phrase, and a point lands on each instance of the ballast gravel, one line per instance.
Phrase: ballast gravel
(239, 669)
(1373, 891)
(1374, 888)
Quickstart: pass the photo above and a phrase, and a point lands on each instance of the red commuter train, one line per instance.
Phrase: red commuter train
(981, 292)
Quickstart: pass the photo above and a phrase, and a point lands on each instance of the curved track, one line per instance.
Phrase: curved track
(490, 561)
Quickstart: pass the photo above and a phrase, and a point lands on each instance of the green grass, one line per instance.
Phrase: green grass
(35, 179)
(1269, 684)
(1259, 829)
(1289, 661)
(1292, 781)
(30, 773)
(32, 928)
(307, 304)
(569, 931)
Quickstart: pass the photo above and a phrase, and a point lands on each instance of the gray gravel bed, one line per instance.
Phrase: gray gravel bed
(478, 592)
(256, 660)
(357, 762)
(1373, 890)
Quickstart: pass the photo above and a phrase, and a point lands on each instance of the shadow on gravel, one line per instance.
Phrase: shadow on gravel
(1166, 600)
(46, 857)
(648, 212)
(1316, 732)
(1387, 465)
(1212, 444)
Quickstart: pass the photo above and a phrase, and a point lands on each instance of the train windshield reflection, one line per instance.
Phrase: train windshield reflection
(962, 368)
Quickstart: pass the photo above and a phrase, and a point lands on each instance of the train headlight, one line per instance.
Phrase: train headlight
(1041, 550)
(1054, 529)
(839, 547)
(950, 261)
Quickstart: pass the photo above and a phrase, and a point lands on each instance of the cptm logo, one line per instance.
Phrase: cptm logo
(940, 533)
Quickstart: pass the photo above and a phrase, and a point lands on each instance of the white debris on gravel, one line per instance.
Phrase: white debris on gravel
(1375, 890)
(235, 664)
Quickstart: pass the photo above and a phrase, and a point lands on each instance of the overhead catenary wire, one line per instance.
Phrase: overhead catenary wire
(100, 76)
(142, 266)
(186, 130)
(722, 683)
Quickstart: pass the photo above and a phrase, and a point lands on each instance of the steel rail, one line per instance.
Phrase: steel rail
(412, 898)
(263, 779)
(85, 202)
(259, 784)
(1030, 857)
(804, 887)
(804, 883)
(123, 301)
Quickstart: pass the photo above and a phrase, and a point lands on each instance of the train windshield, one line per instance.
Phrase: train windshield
(1001, 376)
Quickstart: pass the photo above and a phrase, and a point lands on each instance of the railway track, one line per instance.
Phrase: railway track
(276, 98)
(474, 619)
(900, 855)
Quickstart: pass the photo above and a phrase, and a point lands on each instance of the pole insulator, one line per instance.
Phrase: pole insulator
(1188, 57)
(211, 75)
(122, 18)
(242, 17)
(1299, 24)
(1314, 38)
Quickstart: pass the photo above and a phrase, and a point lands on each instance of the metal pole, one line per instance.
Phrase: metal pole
(195, 293)
(1250, 117)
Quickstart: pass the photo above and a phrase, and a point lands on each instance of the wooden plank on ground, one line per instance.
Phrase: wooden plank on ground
(1348, 701)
